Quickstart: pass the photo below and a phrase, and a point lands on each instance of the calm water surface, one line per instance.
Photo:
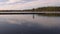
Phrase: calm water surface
(29, 24)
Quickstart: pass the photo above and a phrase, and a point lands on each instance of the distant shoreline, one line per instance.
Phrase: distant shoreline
(48, 9)
(39, 9)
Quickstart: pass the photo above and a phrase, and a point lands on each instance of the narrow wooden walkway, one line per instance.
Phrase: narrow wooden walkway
(27, 12)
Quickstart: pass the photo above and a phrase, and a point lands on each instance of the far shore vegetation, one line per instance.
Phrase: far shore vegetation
(44, 9)
(39, 9)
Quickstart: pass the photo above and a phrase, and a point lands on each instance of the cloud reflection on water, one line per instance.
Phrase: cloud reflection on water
(24, 24)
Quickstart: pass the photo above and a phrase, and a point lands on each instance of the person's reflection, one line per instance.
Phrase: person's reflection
(33, 16)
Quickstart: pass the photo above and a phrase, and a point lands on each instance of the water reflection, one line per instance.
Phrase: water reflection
(33, 16)
(29, 24)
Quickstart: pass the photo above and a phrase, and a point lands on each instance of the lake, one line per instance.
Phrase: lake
(29, 24)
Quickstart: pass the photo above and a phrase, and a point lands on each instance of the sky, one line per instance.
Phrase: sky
(26, 4)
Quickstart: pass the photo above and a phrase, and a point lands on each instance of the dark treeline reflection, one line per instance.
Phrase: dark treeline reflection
(18, 25)
(50, 15)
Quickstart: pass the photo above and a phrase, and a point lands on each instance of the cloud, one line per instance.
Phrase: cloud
(27, 4)
(14, 1)
(3, 0)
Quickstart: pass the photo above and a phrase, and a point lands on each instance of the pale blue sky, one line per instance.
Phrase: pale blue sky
(26, 4)
(3, 0)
